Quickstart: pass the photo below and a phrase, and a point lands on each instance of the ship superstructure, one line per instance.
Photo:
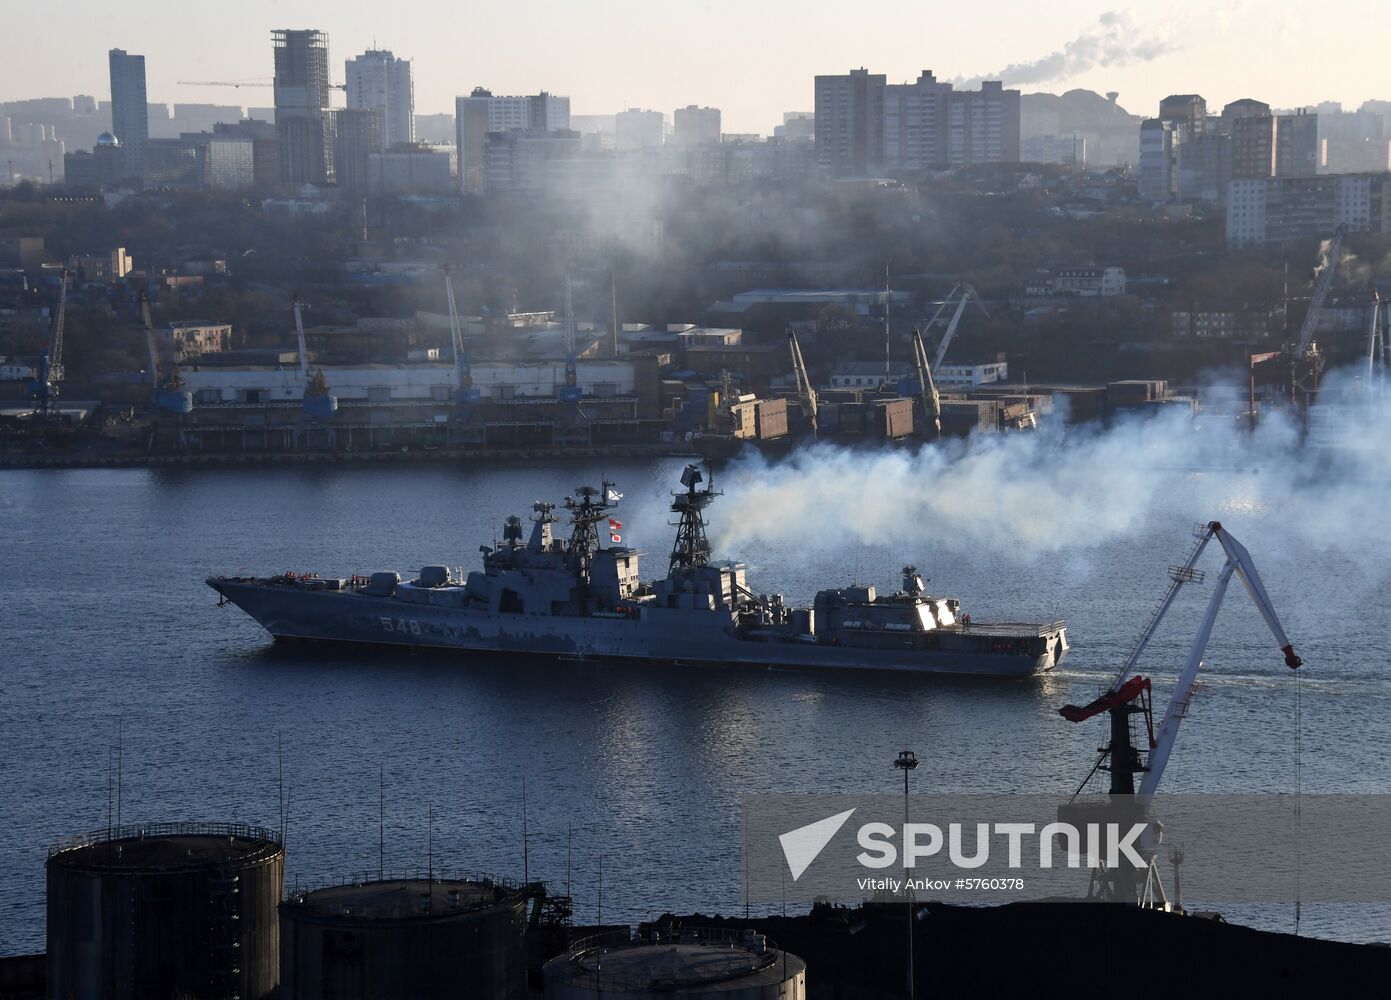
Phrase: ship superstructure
(575, 597)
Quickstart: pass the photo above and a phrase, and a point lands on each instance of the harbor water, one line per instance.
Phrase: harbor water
(109, 636)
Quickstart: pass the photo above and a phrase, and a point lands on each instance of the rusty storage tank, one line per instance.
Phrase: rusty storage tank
(680, 964)
(165, 910)
(405, 938)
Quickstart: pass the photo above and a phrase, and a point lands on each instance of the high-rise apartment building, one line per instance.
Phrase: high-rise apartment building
(695, 126)
(1253, 146)
(983, 125)
(1189, 111)
(1280, 209)
(130, 121)
(1160, 143)
(302, 118)
(638, 129)
(357, 134)
(917, 123)
(482, 112)
(378, 81)
(1297, 147)
(850, 122)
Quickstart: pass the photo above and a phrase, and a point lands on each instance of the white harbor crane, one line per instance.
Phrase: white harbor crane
(927, 387)
(967, 294)
(1129, 694)
(805, 391)
(318, 402)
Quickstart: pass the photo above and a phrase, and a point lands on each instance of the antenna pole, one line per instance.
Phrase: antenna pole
(526, 861)
(280, 780)
(887, 295)
(613, 306)
(569, 835)
(120, 731)
(381, 820)
(430, 846)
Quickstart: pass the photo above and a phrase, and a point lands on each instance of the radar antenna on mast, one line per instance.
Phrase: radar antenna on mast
(691, 547)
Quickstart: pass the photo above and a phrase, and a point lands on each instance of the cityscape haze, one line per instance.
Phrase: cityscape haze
(460, 465)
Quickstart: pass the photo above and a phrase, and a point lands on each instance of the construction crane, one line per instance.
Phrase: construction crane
(805, 392)
(465, 392)
(258, 82)
(1305, 360)
(927, 387)
(44, 386)
(318, 402)
(967, 294)
(166, 383)
(1129, 695)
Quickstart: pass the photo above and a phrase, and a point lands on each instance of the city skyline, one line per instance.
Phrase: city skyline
(757, 63)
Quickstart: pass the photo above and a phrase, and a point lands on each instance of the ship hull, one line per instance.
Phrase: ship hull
(345, 617)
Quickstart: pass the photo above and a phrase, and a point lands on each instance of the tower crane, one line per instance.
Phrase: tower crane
(262, 82)
(44, 386)
(805, 392)
(1129, 695)
(927, 387)
(967, 293)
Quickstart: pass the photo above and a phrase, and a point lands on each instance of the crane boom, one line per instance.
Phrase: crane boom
(55, 352)
(1125, 690)
(968, 293)
(927, 387)
(299, 339)
(1321, 290)
(150, 342)
(805, 392)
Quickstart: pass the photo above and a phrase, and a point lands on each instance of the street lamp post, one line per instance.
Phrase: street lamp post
(907, 761)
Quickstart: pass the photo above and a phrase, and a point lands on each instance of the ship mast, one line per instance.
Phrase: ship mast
(691, 548)
(587, 508)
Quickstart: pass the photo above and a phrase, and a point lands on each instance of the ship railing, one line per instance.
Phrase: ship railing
(762, 950)
(143, 831)
(302, 886)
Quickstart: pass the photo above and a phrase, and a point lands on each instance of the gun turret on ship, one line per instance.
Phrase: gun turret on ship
(576, 597)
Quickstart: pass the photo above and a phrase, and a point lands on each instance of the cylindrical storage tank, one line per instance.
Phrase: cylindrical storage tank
(686, 964)
(413, 939)
(165, 910)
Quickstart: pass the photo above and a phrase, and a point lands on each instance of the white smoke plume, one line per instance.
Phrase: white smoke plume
(1056, 491)
(1115, 40)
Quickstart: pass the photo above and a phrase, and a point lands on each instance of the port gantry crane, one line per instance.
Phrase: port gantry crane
(1129, 695)
(166, 383)
(1305, 359)
(806, 392)
(967, 294)
(465, 392)
(318, 402)
(927, 386)
(44, 386)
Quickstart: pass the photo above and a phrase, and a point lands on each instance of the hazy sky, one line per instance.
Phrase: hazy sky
(753, 59)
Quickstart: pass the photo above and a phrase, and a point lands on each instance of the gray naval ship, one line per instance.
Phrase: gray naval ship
(575, 598)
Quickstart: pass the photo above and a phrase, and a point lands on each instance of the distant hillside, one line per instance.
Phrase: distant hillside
(1081, 111)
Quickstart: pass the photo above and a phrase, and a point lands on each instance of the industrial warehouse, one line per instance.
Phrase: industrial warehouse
(445, 385)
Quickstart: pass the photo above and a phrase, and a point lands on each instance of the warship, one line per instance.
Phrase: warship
(582, 598)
